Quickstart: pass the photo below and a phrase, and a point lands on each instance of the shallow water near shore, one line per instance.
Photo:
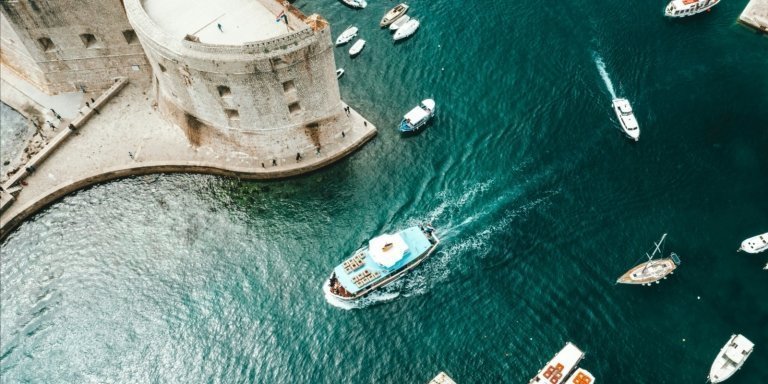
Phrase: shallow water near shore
(15, 133)
(538, 198)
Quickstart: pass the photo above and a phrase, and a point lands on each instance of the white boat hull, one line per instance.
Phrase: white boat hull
(677, 8)
(346, 36)
(357, 48)
(626, 118)
(730, 359)
(755, 244)
(407, 30)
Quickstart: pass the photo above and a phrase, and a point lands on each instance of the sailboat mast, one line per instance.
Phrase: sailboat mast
(657, 249)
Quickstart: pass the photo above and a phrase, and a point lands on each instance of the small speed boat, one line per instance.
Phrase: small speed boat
(399, 23)
(346, 36)
(407, 29)
(626, 118)
(581, 376)
(393, 14)
(683, 8)
(357, 47)
(360, 4)
(418, 117)
(339, 72)
(730, 359)
(384, 260)
(755, 244)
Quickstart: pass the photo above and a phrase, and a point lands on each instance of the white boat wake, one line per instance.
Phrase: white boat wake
(604, 74)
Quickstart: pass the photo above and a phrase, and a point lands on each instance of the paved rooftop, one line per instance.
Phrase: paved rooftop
(241, 21)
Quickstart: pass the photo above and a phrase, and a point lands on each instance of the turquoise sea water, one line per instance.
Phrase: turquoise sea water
(540, 201)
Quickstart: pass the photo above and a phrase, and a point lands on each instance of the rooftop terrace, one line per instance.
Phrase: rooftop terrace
(242, 21)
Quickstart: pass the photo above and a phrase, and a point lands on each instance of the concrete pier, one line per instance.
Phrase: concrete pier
(442, 378)
(755, 15)
(128, 136)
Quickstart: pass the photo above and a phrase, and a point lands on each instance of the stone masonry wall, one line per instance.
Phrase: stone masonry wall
(68, 45)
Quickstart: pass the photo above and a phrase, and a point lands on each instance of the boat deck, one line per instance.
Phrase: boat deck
(361, 270)
(557, 370)
(648, 272)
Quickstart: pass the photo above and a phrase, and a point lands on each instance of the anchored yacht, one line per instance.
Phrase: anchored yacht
(557, 369)
(626, 118)
(652, 270)
(755, 244)
(730, 359)
(393, 14)
(384, 260)
(683, 8)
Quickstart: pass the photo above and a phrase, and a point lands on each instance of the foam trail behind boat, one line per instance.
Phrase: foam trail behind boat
(604, 74)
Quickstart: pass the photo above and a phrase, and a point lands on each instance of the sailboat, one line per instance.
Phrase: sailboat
(652, 270)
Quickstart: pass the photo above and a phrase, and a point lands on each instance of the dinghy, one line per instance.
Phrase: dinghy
(339, 72)
(357, 47)
(407, 29)
(346, 36)
(360, 4)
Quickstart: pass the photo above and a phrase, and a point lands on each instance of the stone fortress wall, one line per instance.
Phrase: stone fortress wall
(281, 90)
(70, 45)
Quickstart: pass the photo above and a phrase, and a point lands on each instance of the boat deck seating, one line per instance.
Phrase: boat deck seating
(554, 373)
(581, 378)
(365, 277)
(354, 262)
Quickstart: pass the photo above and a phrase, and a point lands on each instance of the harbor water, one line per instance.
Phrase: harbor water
(539, 199)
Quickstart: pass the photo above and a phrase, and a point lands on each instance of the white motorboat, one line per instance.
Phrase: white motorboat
(626, 118)
(346, 36)
(407, 29)
(357, 47)
(755, 244)
(339, 72)
(730, 359)
(355, 3)
(418, 116)
(393, 14)
(399, 23)
(558, 369)
(683, 8)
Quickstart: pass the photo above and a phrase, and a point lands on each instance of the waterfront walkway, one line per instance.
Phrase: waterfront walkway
(128, 136)
(756, 15)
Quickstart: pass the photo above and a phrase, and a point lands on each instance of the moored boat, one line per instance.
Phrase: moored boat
(730, 359)
(393, 14)
(407, 29)
(339, 72)
(418, 116)
(557, 369)
(581, 376)
(384, 260)
(683, 8)
(626, 118)
(755, 244)
(347, 36)
(399, 22)
(357, 47)
(652, 270)
(355, 3)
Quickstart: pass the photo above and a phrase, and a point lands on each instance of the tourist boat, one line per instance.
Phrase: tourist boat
(730, 359)
(346, 36)
(581, 376)
(393, 14)
(652, 270)
(399, 23)
(360, 4)
(557, 369)
(418, 116)
(626, 118)
(384, 260)
(683, 8)
(357, 47)
(755, 244)
(339, 72)
(406, 29)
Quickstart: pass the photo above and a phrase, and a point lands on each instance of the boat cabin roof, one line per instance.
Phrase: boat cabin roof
(560, 366)
(406, 245)
(415, 115)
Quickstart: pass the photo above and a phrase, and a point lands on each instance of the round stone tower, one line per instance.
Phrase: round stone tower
(255, 74)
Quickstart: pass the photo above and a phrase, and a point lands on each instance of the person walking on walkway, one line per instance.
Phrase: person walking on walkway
(220, 28)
